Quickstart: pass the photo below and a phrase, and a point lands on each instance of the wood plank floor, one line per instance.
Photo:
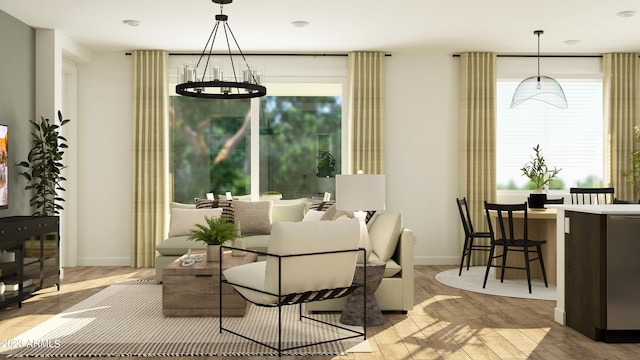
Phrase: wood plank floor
(445, 323)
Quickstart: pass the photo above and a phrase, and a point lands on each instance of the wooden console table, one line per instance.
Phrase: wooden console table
(31, 256)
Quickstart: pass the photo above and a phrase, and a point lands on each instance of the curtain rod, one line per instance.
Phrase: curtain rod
(543, 56)
(263, 54)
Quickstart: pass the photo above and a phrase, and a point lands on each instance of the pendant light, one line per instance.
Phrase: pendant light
(204, 80)
(541, 88)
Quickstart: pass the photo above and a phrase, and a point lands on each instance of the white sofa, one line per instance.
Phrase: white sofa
(390, 241)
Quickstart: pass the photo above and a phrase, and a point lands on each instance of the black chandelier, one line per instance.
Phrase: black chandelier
(214, 86)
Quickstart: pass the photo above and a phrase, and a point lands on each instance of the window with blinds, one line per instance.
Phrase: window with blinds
(570, 139)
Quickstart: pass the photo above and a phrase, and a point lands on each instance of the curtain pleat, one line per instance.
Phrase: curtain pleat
(621, 116)
(366, 90)
(478, 138)
(150, 158)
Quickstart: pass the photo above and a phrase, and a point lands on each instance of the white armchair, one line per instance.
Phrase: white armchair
(305, 262)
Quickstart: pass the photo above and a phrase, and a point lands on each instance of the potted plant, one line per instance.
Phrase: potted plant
(43, 168)
(216, 232)
(540, 175)
(326, 164)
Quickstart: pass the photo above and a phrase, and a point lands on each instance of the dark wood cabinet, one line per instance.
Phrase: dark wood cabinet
(30, 256)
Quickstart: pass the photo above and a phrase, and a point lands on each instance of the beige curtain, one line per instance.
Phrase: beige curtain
(366, 111)
(621, 115)
(478, 138)
(150, 164)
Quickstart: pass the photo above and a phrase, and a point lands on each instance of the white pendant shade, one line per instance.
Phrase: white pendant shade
(541, 88)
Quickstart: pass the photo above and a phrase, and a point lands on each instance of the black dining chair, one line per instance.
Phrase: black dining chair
(555, 201)
(505, 236)
(591, 195)
(469, 234)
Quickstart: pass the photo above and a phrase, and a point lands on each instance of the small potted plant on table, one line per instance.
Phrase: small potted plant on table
(216, 232)
(540, 175)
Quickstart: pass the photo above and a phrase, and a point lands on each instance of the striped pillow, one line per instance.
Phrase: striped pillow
(322, 205)
(226, 206)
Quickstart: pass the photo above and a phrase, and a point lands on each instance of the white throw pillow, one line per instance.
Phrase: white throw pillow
(287, 211)
(313, 215)
(384, 234)
(183, 220)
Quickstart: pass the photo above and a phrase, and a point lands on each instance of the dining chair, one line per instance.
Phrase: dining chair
(469, 234)
(505, 236)
(555, 201)
(591, 195)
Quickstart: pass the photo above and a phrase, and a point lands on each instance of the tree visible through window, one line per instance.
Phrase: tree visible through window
(211, 144)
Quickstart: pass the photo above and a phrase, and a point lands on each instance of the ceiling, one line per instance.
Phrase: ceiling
(339, 26)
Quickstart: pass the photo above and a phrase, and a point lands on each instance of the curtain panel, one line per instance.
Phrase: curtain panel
(620, 89)
(366, 111)
(150, 154)
(478, 139)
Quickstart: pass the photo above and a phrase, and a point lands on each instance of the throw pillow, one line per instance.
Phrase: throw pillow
(384, 233)
(332, 214)
(313, 215)
(183, 220)
(322, 205)
(254, 217)
(226, 206)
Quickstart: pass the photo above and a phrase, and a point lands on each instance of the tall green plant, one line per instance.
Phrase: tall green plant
(43, 168)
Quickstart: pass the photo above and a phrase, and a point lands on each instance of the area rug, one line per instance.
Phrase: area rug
(472, 281)
(127, 320)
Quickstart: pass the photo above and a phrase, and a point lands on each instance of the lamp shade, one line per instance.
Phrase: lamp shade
(360, 192)
(541, 88)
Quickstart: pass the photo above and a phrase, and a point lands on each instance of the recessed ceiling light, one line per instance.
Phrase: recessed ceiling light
(572, 42)
(626, 13)
(300, 23)
(131, 22)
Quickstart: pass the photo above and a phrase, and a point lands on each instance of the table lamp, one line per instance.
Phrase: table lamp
(360, 193)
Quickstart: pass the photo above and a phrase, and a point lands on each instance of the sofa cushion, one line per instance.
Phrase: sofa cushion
(226, 206)
(178, 246)
(255, 217)
(313, 215)
(391, 269)
(287, 211)
(184, 220)
(384, 233)
(174, 205)
(256, 242)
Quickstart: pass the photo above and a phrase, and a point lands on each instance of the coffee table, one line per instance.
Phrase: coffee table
(194, 290)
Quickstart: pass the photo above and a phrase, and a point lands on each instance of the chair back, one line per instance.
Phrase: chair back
(555, 201)
(591, 195)
(314, 272)
(463, 208)
(506, 231)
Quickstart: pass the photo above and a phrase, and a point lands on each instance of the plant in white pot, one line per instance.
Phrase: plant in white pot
(214, 233)
(540, 175)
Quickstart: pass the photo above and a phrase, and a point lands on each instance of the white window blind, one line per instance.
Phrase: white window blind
(571, 139)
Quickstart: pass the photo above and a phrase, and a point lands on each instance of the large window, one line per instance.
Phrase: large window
(211, 144)
(570, 139)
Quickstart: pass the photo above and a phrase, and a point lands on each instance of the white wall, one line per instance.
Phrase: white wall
(421, 152)
(104, 160)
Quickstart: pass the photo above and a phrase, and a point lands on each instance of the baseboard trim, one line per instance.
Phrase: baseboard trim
(104, 261)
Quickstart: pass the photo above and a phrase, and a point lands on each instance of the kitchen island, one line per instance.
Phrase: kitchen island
(598, 270)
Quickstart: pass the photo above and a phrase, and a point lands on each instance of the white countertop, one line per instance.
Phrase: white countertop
(613, 209)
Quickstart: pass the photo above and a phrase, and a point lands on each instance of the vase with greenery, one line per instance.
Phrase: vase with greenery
(43, 168)
(214, 233)
(540, 175)
(326, 165)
